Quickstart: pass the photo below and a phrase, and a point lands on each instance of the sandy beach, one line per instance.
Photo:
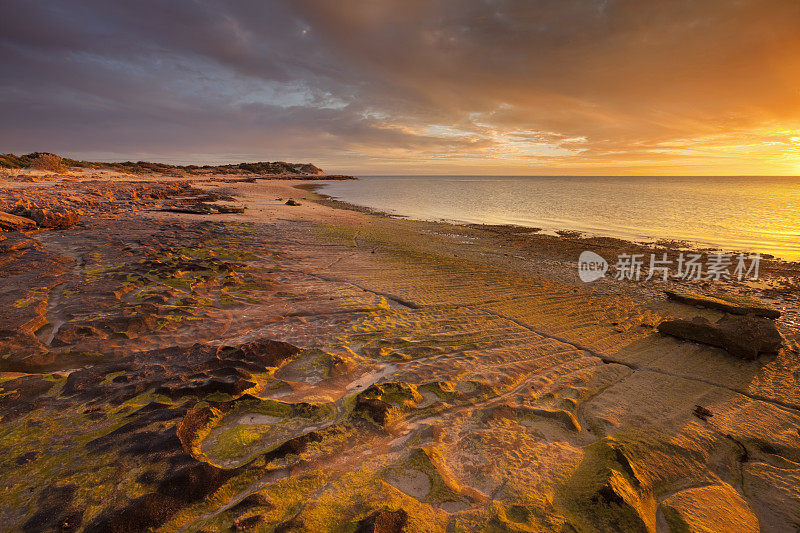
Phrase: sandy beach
(318, 368)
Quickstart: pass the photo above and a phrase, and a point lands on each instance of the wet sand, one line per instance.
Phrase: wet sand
(322, 368)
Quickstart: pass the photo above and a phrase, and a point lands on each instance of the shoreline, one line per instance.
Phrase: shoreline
(773, 264)
(779, 250)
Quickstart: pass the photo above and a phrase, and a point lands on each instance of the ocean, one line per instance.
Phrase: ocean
(742, 213)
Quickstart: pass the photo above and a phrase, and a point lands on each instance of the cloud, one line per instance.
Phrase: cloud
(545, 86)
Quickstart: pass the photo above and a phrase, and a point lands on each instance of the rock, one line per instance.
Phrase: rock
(15, 240)
(565, 418)
(195, 482)
(716, 507)
(604, 494)
(729, 304)
(243, 524)
(294, 524)
(293, 446)
(261, 353)
(376, 401)
(188, 429)
(9, 222)
(702, 413)
(383, 521)
(228, 385)
(230, 209)
(143, 513)
(55, 218)
(201, 208)
(743, 336)
(253, 500)
(129, 327)
(58, 218)
(25, 314)
(72, 333)
(292, 202)
(54, 510)
(21, 395)
(376, 409)
(27, 457)
(195, 209)
(83, 380)
(187, 486)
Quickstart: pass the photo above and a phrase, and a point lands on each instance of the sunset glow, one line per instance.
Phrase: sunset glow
(549, 87)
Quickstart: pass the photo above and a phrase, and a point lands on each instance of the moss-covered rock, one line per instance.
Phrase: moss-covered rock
(604, 492)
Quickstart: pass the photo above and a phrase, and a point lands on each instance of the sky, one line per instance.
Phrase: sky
(409, 86)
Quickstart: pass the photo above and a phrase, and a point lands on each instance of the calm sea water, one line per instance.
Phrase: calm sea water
(754, 214)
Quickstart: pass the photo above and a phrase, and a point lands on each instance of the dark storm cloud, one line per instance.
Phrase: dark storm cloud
(406, 85)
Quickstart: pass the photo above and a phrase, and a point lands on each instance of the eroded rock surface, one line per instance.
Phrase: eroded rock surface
(11, 222)
(54, 217)
(210, 373)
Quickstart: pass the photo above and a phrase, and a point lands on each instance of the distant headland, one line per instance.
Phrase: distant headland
(260, 169)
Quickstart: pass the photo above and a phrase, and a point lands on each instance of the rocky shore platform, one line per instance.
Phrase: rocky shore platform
(215, 354)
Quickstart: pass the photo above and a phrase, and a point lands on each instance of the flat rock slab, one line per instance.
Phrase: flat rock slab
(9, 222)
(203, 209)
(743, 336)
(15, 240)
(729, 304)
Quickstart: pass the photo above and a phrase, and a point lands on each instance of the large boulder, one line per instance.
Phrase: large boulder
(743, 336)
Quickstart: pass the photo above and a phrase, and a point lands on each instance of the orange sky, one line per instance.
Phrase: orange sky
(412, 86)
